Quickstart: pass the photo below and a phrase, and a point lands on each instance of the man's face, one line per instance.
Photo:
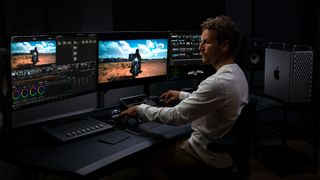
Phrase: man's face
(209, 47)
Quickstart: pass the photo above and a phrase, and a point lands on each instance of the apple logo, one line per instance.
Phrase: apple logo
(276, 73)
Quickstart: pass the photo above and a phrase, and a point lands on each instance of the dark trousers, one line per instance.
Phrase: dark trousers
(176, 160)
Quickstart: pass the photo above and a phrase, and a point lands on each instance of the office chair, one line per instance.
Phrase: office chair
(237, 142)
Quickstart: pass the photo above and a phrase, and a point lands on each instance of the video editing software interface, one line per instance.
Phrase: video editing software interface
(51, 67)
(184, 46)
(132, 55)
(184, 56)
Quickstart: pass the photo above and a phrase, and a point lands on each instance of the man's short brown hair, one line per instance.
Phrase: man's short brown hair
(227, 30)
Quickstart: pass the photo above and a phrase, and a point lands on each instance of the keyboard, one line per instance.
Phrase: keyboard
(141, 127)
(71, 128)
(108, 115)
(136, 100)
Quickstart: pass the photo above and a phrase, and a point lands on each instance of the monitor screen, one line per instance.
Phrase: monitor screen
(184, 46)
(126, 57)
(52, 67)
(184, 56)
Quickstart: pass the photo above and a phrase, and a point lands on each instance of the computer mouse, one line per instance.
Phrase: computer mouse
(132, 122)
(161, 103)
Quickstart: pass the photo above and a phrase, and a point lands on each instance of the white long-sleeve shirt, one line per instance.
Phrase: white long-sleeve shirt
(212, 109)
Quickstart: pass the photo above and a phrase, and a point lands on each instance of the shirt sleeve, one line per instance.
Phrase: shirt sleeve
(183, 95)
(208, 97)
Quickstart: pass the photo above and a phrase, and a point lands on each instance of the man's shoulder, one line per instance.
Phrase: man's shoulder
(213, 82)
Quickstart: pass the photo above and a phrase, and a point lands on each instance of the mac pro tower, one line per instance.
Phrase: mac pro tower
(288, 74)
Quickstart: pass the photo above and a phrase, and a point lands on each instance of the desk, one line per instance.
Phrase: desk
(82, 158)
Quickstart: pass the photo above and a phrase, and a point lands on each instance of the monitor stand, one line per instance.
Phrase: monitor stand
(100, 95)
(100, 99)
(146, 89)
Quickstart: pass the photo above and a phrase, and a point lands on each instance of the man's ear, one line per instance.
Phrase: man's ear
(225, 45)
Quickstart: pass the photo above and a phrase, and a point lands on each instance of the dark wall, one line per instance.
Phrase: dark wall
(163, 15)
(99, 15)
(23, 16)
(281, 21)
(63, 16)
(287, 21)
(96, 15)
(55, 16)
(241, 12)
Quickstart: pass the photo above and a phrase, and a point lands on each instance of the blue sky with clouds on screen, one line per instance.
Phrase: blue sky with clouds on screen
(148, 48)
(25, 47)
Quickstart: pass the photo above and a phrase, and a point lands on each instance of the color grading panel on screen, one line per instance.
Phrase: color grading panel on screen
(51, 67)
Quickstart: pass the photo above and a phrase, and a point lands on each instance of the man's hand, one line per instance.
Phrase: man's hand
(170, 96)
(128, 113)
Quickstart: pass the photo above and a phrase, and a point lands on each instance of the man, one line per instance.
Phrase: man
(212, 108)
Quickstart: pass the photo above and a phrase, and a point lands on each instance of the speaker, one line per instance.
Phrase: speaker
(255, 53)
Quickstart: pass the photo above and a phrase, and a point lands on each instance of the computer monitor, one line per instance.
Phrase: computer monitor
(129, 58)
(184, 46)
(184, 55)
(51, 67)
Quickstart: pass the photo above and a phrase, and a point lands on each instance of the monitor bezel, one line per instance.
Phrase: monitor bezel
(131, 35)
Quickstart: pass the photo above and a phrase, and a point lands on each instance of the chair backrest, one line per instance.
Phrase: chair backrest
(237, 142)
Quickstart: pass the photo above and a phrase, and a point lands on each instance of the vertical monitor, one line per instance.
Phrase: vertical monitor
(184, 56)
(47, 68)
(184, 46)
(126, 58)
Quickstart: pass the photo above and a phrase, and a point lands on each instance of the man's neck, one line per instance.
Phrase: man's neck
(224, 61)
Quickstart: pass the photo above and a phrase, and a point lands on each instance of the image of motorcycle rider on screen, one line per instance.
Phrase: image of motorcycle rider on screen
(35, 55)
(136, 63)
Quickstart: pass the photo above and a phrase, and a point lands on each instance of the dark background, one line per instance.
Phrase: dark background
(288, 21)
(291, 22)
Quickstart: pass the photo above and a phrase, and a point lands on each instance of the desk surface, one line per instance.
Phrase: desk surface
(86, 156)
